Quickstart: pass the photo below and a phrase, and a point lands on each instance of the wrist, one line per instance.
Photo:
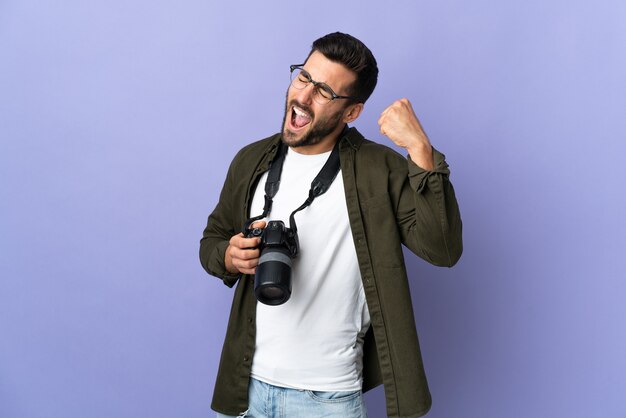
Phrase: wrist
(228, 262)
(422, 155)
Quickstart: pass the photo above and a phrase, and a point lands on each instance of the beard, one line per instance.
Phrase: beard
(318, 130)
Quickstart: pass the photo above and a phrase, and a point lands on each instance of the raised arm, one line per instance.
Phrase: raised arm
(427, 211)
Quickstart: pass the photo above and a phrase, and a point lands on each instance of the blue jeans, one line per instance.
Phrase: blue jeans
(268, 401)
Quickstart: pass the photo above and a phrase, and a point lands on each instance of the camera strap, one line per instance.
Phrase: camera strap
(320, 184)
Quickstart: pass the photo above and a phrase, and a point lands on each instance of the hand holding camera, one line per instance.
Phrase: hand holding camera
(242, 254)
(278, 246)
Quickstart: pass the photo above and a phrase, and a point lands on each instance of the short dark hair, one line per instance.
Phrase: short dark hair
(354, 55)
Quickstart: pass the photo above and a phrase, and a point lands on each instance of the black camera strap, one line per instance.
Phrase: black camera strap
(320, 184)
(272, 183)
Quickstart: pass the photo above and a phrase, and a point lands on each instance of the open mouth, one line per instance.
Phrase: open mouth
(299, 118)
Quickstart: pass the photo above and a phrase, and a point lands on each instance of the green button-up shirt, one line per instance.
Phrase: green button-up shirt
(391, 201)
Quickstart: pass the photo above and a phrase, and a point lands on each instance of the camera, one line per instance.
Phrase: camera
(279, 245)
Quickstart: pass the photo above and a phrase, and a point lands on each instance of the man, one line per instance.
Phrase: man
(349, 324)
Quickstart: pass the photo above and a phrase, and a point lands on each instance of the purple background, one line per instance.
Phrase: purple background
(118, 120)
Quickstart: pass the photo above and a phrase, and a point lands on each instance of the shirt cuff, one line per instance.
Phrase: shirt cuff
(218, 268)
(418, 177)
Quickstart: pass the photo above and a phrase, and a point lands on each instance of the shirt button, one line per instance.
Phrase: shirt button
(245, 358)
(249, 320)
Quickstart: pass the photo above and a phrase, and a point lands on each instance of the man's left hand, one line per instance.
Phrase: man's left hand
(400, 124)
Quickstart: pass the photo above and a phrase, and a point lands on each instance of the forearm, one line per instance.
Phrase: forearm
(422, 155)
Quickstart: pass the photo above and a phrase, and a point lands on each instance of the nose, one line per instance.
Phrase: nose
(305, 95)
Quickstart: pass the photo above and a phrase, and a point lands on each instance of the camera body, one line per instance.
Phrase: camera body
(279, 245)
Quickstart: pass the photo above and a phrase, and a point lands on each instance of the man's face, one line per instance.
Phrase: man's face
(307, 122)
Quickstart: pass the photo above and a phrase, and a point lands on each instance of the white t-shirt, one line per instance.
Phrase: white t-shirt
(313, 341)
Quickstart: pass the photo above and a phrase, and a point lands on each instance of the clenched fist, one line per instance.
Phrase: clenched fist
(400, 124)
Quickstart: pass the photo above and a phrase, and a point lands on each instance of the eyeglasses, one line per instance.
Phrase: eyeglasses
(322, 93)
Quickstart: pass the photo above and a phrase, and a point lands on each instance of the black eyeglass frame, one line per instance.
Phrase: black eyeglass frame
(334, 96)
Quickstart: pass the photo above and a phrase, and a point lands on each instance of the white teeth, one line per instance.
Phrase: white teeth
(299, 112)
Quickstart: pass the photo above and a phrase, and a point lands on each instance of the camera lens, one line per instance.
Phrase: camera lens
(272, 280)
(271, 293)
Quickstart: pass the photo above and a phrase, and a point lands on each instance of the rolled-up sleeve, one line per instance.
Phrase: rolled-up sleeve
(428, 213)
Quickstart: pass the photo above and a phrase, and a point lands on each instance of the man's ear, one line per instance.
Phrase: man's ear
(352, 112)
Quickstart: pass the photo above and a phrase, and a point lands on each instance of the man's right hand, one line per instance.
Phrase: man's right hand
(242, 254)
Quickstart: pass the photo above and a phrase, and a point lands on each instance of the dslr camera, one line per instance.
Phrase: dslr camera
(279, 245)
